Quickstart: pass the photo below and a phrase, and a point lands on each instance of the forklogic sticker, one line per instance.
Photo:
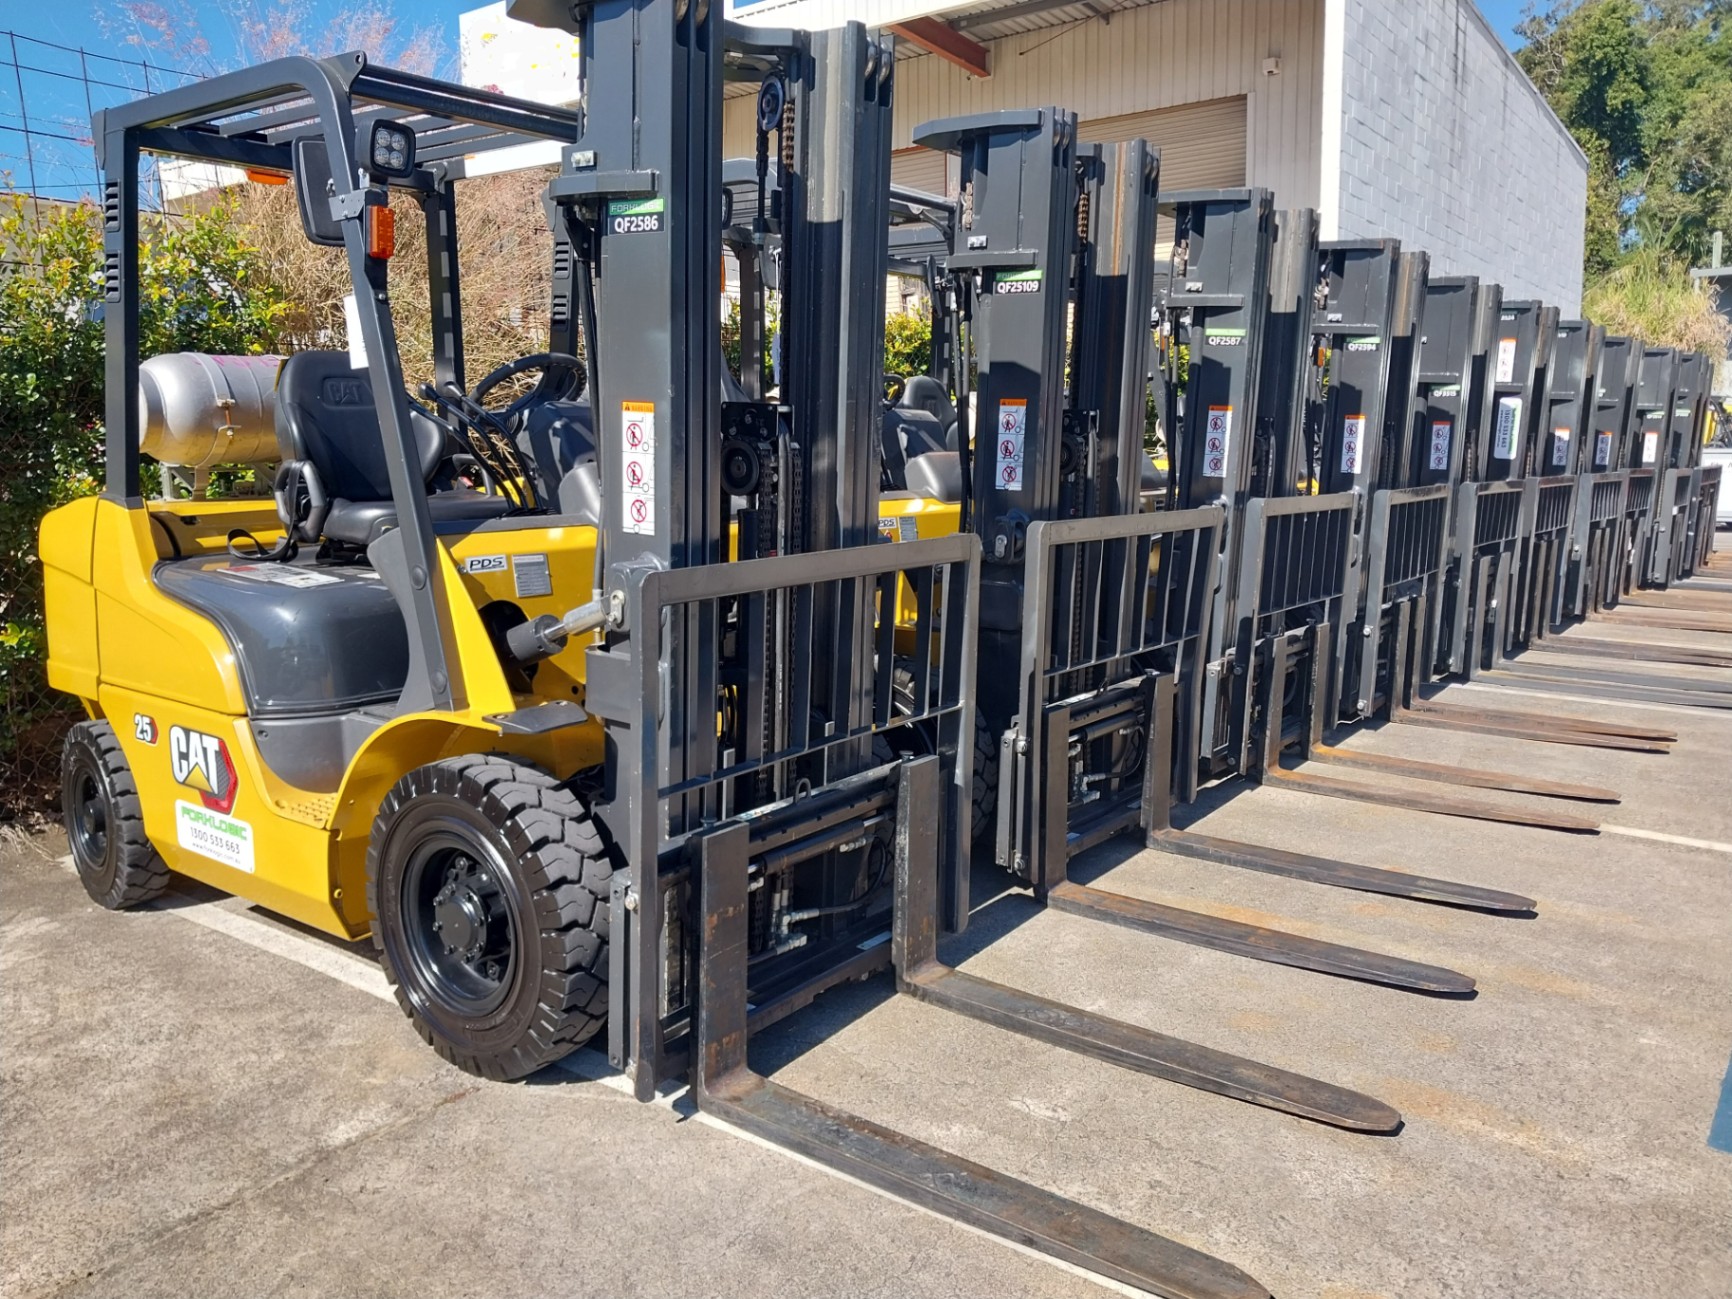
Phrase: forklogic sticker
(635, 216)
(1352, 438)
(637, 462)
(211, 834)
(1012, 429)
(1217, 441)
(1441, 429)
(1017, 282)
(1509, 420)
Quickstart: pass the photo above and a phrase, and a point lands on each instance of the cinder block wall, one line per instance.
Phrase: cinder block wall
(1447, 146)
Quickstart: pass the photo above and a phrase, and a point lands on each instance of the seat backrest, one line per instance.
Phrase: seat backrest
(923, 392)
(325, 416)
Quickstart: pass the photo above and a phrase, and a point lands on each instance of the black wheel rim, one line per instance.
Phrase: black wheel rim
(458, 923)
(89, 818)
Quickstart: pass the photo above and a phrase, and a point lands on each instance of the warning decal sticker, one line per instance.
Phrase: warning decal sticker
(1602, 450)
(637, 465)
(1441, 430)
(1352, 439)
(1012, 430)
(1217, 441)
(1506, 360)
(1509, 420)
(1560, 446)
(1650, 446)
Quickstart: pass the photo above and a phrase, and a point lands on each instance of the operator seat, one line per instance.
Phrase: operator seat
(923, 392)
(326, 421)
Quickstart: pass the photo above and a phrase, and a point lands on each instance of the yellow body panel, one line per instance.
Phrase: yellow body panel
(904, 517)
(161, 672)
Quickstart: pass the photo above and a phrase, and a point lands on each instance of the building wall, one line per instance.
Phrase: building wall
(1155, 56)
(1445, 145)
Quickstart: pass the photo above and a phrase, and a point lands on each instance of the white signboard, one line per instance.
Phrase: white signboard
(514, 58)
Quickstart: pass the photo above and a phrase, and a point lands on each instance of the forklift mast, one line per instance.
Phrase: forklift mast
(1223, 243)
(1570, 398)
(1115, 299)
(1656, 382)
(1481, 396)
(1357, 325)
(1284, 461)
(1521, 346)
(1615, 404)
(1018, 231)
(1445, 375)
(1689, 409)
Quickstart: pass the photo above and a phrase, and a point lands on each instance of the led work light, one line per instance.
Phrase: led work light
(391, 150)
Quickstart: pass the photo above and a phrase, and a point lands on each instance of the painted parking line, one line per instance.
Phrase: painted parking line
(1720, 1130)
(585, 1064)
(1660, 836)
(1553, 698)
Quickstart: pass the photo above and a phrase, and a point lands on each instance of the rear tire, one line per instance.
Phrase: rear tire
(105, 821)
(488, 881)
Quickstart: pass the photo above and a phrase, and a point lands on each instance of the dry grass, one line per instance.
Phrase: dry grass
(1652, 297)
(504, 259)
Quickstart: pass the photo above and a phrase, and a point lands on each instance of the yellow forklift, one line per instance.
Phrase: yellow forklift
(573, 701)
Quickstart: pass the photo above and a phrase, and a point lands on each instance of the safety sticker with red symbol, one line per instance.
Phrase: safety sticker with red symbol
(637, 462)
(1217, 441)
(1012, 430)
(1441, 429)
(1352, 441)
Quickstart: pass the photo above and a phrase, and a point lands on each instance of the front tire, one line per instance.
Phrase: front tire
(105, 821)
(488, 881)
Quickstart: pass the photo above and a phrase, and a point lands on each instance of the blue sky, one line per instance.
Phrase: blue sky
(55, 99)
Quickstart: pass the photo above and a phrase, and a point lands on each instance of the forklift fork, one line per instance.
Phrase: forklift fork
(724, 1085)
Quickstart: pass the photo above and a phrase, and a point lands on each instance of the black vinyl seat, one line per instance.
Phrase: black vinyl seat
(326, 423)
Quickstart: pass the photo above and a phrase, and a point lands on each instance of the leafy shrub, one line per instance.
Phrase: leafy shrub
(203, 288)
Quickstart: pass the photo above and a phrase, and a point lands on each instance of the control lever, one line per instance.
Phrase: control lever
(544, 636)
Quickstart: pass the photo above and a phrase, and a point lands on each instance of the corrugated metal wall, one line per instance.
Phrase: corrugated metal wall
(1158, 56)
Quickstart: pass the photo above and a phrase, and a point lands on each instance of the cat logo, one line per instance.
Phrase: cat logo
(202, 762)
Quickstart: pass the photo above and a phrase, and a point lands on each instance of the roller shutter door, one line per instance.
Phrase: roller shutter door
(1202, 147)
(926, 170)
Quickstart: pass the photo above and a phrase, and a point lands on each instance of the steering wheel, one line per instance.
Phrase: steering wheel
(894, 386)
(550, 363)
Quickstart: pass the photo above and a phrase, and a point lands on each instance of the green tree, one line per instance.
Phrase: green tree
(1646, 89)
(203, 288)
